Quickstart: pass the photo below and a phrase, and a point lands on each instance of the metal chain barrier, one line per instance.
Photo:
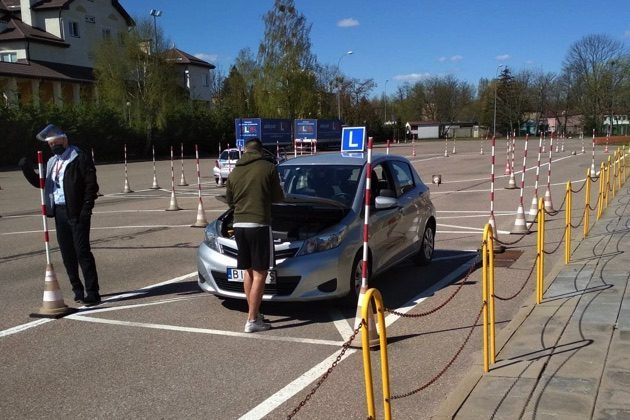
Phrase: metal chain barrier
(459, 287)
(564, 233)
(579, 223)
(555, 212)
(321, 380)
(448, 365)
(596, 203)
(581, 188)
(522, 287)
(529, 230)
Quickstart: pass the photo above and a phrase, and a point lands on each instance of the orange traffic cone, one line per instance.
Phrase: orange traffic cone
(52, 305)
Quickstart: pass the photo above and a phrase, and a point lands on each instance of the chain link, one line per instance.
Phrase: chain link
(523, 235)
(580, 189)
(579, 223)
(448, 365)
(321, 380)
(460, 285)
(522, 287)
(596, 203)
(564, 233)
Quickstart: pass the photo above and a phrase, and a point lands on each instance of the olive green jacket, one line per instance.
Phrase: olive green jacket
(251, 188)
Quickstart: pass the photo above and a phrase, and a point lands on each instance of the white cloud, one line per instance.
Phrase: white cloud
(210, 58)
(412, 76)
(442, 59)
(626, 35)
(348, 23)
(456, 58)
(503, 57)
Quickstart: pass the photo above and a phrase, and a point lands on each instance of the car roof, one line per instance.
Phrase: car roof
(354, 159)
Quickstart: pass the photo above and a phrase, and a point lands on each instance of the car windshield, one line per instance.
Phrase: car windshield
(334, 182)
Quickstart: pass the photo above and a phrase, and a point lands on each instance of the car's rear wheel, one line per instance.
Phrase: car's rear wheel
(425, 254)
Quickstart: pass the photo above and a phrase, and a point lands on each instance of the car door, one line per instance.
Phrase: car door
(412, 215)
(384, 231)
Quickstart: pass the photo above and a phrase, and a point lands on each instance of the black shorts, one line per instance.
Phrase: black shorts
(255, 248)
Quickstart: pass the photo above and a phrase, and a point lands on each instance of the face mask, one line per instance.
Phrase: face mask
(58, 149)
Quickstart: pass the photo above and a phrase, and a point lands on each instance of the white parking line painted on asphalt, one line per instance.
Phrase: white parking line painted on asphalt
(465, 228)
(391, 318)
(341, 324)
(24, 327)
(116, 211)
(167, 327)
(24, 232)
(293, 388)
(451, 257)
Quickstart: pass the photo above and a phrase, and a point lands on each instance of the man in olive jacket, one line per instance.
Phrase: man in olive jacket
(69, 193)
(251, 188)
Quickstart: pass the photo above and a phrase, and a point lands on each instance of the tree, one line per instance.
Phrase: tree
(589, 64)
(287, 82)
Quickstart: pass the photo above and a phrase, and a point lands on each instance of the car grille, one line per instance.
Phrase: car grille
(280, 255)
(284, 285)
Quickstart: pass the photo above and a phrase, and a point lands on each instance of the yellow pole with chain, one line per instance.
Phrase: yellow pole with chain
(567, 225)
(600, 195)
(485, 250)
(373, 295)
(490, 295)
(587, 203)
(540, 238)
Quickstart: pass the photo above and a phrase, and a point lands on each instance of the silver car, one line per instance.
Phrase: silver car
(318, 229)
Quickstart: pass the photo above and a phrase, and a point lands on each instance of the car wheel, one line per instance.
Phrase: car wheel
(425, 254)
(216, 180)
(356, 275)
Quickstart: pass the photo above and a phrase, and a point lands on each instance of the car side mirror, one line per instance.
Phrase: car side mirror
(382, 202)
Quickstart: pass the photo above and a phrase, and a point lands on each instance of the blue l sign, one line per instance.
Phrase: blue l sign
(353, 139)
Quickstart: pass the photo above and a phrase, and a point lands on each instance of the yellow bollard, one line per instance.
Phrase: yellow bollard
(540, 249)
(375, 295)
(587, 204)
(600, 203)
(487, 297)
(567, 225)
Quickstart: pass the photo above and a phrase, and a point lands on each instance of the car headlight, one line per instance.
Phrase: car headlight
(322, 242)
(211, 236)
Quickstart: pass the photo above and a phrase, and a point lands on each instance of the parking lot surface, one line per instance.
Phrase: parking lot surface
(159, 347)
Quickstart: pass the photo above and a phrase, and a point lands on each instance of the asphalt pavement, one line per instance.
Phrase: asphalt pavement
(566, 358)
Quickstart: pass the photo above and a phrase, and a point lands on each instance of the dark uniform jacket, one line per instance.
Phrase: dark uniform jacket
(79, 184)
(251, 188)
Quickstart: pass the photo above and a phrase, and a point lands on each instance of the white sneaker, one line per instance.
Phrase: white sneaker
(257, 325)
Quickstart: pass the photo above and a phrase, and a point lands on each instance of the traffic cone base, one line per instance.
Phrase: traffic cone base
(512, 183)
(52, 302)
(182, 181)
(548, 202)
(126, 189)
(155, 185)
(533, 210)
(372, 327)
(201, 221)
(173, 204)
(520, 226)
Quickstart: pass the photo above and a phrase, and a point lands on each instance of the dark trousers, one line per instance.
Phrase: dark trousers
(73, 237)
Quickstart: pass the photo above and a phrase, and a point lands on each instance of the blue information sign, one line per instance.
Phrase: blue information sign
(240, 143)
(353, 139)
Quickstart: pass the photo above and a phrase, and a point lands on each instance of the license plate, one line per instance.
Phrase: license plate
(238, 276)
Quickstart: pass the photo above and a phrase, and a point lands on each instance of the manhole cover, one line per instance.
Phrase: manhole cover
(507, 258)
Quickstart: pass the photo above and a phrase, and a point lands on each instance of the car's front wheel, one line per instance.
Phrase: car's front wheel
(356, 276)
(425, 254)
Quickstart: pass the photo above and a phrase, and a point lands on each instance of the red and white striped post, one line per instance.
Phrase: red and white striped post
(155, 185)
(533, 210)
(507, 170)
(548, 202)
(126, 188)
(218, 165)
(607, 140)
(53, 305)
(201, 213)
(388, 146)
(481, 141)
(593, 173)
(582, 139)
(445, 145)
(173, 204)
(562, 139)
(492, 160)
(182, 180)
(511, 180)
(413, 148)
(454, 141)
(364, 264)
(520, 225)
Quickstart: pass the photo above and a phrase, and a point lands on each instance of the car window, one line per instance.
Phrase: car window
(381, 183)
(234, 155)
(403, 177)
(334, 182)
(223, 155)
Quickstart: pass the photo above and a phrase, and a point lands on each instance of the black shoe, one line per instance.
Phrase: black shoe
(79, 297)
(91, 300)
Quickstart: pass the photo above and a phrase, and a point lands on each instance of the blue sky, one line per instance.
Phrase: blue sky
(400, 40)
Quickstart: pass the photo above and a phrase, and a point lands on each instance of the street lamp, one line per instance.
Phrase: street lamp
(612, 93)
(385, 101)
(494, 119)
(339, 86)
(155, 13)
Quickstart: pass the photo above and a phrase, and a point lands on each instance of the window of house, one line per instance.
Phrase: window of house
(90, 19)
(73, 29)
(8, 57)
(107, 33)
(205, 80)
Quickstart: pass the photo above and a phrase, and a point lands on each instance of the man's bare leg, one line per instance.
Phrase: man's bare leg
(247, 285)
(257, 288)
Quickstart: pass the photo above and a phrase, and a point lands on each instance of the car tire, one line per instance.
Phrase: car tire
(355, 277)
(425, 253)
(216, 180)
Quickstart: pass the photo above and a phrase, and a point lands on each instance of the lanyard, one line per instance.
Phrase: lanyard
(57, 171)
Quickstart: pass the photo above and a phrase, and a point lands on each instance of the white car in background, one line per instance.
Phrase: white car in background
(228, 158)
